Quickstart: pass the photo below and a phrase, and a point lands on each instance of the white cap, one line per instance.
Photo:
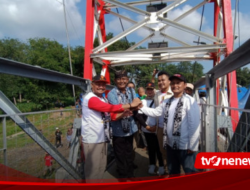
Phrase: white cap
(189, 85)
(56, 128)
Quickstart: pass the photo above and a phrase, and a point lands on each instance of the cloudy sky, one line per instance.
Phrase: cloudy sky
(24, 19)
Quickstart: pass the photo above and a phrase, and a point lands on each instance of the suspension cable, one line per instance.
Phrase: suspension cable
(70, 64)
(239, 21)
(122, 28)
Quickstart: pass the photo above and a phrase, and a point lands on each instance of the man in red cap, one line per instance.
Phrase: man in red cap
(181, 126)
(95, 127)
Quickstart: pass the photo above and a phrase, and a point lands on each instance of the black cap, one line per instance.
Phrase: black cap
(178, 76)
(150, 85)
(99, 78)
(120, 74)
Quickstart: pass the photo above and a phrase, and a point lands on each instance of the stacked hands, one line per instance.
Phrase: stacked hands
(135, 105)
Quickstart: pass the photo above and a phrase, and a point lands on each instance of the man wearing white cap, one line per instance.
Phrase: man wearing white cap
(189, 89)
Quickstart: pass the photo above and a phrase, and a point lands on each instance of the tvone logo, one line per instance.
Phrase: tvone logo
(218, 161)
(214, 160)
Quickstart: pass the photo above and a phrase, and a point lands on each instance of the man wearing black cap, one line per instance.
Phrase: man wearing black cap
(95, 127)
(181, 126)
(123, 129)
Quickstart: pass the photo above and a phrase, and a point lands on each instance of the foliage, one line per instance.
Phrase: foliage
(243, 76)
(44, 53)
(50, 54)
(29, 107)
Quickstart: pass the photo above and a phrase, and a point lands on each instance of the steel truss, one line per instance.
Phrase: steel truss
(220, 43)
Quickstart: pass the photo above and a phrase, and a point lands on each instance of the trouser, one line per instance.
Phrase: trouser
(160, 141)
(95, 161)
(153, 149)
(58, 142)
(46, 168)
(178, 158)
(123, 149)
(144, 138)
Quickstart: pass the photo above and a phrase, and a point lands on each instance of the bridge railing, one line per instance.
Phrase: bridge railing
(20, 152)
(217, 132)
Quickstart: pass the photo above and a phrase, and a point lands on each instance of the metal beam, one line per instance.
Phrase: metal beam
(198, 53)
(9, 108)
(179, 59)
(176, 3)
(185, 14)
(211, 117)
(121, 35)
(239, 58)
(194, 57)
(161, 50)
(5, 159)
(24, 70)
(129, 20)
(174, 39)
(88, 62)
(128, 7)
(200, 82)
(139, 3)
(140, 42)
(188, 29)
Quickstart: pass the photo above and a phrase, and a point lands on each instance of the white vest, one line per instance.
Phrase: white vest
(92, 123)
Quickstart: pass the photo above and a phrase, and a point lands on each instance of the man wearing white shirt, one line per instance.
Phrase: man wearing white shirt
(163, 93)
(95, 131)
(181, 126)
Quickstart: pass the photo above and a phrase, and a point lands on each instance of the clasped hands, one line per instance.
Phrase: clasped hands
(136, 104)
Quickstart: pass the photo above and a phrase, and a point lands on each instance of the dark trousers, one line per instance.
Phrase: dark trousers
(176, 158)
(58, 142)
(153, 149)
(123, 149)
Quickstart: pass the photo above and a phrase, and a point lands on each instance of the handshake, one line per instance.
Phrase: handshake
(136, 104)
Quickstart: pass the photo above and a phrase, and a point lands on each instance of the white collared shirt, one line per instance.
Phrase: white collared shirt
(161, 98)
(190, 124)
(151, 121)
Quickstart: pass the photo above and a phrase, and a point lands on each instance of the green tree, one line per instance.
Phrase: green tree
(243, 76)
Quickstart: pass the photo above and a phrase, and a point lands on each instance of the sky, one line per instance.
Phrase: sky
(24, 19)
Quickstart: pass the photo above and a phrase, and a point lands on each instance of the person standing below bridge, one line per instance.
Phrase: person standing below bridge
(181, 126)
(48, 164)
(162, 94)
(58, 135)
(123, 129)
(95, 129)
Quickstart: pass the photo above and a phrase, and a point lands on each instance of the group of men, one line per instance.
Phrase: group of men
(170, 120)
